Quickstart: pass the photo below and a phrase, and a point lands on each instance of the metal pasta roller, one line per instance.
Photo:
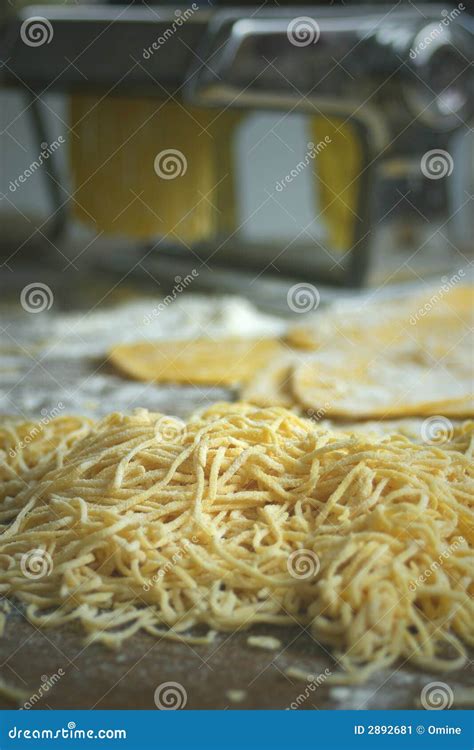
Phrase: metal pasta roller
(326, 143)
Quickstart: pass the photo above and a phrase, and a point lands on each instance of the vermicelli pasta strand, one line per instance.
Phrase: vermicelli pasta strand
(211, 525)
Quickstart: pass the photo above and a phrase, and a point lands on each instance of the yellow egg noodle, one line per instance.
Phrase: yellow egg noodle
(144, 168)
(434, 320)
(337, 186)
(195, 361)
(243, 516)
(411, 357)
(30, 449)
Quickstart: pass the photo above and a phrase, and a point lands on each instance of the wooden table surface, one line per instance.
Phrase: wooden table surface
(97, 677)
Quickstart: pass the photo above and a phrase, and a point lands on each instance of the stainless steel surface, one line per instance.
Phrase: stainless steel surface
(369, 66)
(263, 61)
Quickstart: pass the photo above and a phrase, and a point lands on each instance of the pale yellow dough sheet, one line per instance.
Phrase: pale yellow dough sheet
(409, 358)
(222, 362)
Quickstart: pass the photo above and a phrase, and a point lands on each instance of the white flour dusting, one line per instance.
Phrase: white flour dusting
(53, 358)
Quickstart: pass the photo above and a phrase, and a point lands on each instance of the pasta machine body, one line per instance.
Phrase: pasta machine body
(399, 80)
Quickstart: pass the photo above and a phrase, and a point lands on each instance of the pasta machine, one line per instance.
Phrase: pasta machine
(385, 93)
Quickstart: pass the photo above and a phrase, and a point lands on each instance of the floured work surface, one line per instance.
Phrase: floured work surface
(266, 686)
(96, 677)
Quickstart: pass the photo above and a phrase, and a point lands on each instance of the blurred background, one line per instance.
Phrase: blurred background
(328, 142)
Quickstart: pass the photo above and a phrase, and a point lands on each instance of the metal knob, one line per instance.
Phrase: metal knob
(440, 89)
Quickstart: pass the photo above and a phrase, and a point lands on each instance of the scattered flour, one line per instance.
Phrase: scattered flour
(53, 358)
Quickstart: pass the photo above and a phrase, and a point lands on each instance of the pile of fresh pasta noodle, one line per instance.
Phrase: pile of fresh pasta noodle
(243, 515)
